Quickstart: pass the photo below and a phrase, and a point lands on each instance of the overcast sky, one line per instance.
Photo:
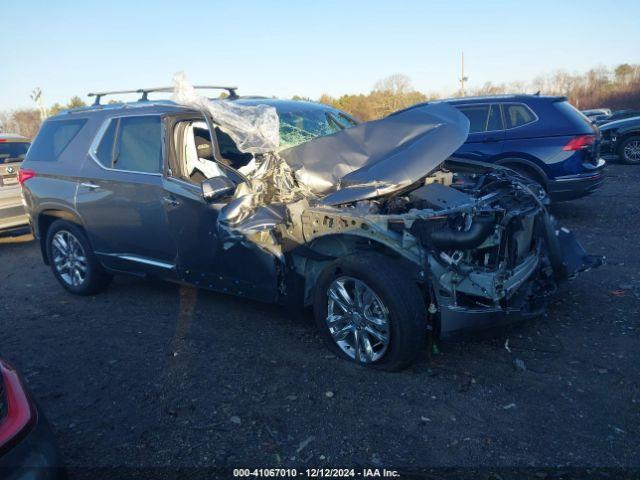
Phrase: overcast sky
(284, 48)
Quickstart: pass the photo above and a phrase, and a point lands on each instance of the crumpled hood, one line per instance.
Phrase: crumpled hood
(378, 157)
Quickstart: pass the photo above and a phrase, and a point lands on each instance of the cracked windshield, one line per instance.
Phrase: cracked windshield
(304, 125)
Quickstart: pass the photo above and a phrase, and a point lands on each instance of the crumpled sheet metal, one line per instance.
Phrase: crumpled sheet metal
(254, 129)
(362, 162)
(260, 203)
(378, 157)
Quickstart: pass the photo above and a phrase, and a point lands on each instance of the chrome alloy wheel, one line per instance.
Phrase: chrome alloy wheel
(357, 319)
(632, 151)
(69, 258)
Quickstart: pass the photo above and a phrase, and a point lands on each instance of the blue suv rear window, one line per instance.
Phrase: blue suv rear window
(53, 138)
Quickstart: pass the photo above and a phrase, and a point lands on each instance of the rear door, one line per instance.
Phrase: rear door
(121, 198)
(486, 131)
(12, 153)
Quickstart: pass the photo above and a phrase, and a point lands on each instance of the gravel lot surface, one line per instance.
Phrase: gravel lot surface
(156, 374)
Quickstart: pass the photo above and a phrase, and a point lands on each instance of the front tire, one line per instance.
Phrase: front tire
(629, 151)
(370, 312)
(72, 260)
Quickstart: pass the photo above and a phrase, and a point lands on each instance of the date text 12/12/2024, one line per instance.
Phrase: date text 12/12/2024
(316, 473)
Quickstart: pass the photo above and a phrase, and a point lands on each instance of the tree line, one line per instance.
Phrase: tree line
(616, 88)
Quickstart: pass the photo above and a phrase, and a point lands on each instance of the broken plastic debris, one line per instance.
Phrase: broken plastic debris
(519, 364)
(305, 443)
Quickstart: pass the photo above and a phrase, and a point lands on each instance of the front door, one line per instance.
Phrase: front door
(121, 198)
(203, 257)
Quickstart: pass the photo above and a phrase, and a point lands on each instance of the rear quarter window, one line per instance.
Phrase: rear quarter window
(517, 115)
(53, 138)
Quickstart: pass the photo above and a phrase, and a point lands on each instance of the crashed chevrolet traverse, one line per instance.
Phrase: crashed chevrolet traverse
(374, 225)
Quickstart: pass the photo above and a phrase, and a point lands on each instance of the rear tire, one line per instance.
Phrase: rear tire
(396, 305)
(629, 151)
(72, 260)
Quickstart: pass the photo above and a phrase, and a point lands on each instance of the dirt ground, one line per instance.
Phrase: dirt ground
(152, 374)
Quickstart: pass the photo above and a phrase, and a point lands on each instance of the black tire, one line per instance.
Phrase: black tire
(400, 295)
(95, 278)
(624, 158)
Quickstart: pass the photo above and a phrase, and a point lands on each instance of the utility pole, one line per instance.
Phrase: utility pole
(462, 78)
(36, 96)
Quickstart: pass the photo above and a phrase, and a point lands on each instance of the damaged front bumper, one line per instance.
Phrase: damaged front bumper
(459, 321)
(531, 289)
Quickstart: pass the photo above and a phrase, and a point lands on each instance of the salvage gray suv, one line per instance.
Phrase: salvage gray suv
(373, 224)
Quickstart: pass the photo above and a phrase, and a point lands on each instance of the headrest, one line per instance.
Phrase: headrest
(203, 147)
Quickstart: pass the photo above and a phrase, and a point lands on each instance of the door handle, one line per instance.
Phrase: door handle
(89, 185)
(171, 201)
(491, 139)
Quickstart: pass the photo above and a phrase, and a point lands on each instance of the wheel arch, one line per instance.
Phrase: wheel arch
(44, 221)
(526, 164)
(311, 259)
(623, 136)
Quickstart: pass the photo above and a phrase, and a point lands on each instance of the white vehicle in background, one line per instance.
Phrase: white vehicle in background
(13, 149)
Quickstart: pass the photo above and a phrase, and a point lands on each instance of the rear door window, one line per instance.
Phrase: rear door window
(482, 118)
(517, 115)
(133, 144)
(12, 152)
(139, 145)
(105, 150)
(494, 122)
(53, 138)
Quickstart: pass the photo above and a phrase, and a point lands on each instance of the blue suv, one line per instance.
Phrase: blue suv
(541, 137)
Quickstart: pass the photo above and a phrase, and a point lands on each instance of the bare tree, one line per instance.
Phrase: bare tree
(23, 122)
(397, 84)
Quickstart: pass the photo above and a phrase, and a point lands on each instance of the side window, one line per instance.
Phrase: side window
(516, 115)
(478, 116)
(495, 119)
(229, 151)
(138, 145)
(53, 138)
(194, 159)
(106, 148)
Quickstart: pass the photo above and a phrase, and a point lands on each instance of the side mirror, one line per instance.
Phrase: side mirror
(217, 188)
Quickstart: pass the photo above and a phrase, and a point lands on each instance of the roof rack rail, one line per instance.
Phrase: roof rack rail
(146, 91)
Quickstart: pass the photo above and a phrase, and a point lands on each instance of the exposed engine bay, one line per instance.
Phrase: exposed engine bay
(477, 238)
